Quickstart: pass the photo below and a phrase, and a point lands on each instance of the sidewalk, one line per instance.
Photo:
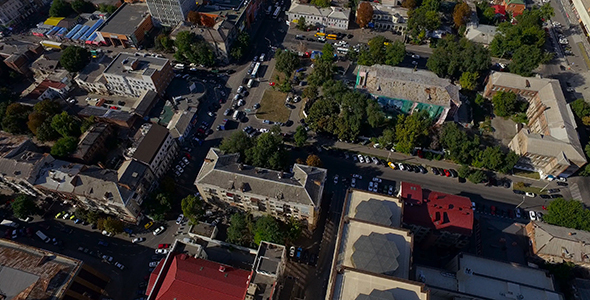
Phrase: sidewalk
(400, 157)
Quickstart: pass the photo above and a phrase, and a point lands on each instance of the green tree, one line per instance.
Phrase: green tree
(15, 118)
(301, 25)
(528, 30)
(321, 3)
(66, 125)
(322, 72)
(46, 133)
(476, 176)
(48, 106)
(36, 119)
(568, 213)
(387, 138)
(92, 217)
(192, 208)
(192, 48)
(60, 8)
(377, 49)
(286, 62)
(491, 158)
(581, 108)
(451, 58)
(294, 229)
(510, 161)
(240, 229)
(310, 92)
(240, 47)
(462, 148)
(527, 58)
(300, 136)
(395, 53)
(507, 104)
(81, 6)
(23, 206)
(411, 130)
(107, 8)
(267, 228)
(164, 43)
(74, 58)
(464, 171)
(87, 123)
(327, 52)
(468, 80)
(268, 152)
(64, 146)
(422, 19)
(364, 14)
(113, 225)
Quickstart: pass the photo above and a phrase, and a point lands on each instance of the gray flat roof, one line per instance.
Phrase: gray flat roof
(146, 65)
(126, 19)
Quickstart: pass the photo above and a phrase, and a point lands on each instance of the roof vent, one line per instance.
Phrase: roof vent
(134, 175)
(221, 269)
(527, 83)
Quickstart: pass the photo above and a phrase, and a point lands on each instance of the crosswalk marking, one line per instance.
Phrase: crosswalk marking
(575, 191)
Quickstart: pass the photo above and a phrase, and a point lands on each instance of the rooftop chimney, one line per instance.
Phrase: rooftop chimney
(221, 269)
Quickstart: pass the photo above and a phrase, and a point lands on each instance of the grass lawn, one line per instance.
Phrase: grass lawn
(533, 175)
(272, 107)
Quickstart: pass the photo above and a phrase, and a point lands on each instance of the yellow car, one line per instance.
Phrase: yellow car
(148, 225)
(392, 165)
(59, 215)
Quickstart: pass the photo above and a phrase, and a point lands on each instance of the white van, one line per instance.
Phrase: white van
(250, 83)
(9, 223)
(236, 115)
(43, 237)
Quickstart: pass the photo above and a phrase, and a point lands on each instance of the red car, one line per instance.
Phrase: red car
(272, 84)
(447, 173)
(163, 246)
(187, 155)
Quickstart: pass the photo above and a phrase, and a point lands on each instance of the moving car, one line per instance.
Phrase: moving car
(336, 179)
(138, 240)
(159, 230)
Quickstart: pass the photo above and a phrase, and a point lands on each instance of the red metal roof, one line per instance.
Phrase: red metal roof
(500, 9)
(200, 279)
(436, 210)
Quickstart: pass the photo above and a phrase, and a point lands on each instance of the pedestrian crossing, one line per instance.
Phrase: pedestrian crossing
(575, 191)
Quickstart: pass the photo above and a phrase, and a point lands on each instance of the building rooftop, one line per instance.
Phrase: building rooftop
(149, 146)
(58, 176)
(480, 33)
(180, 121)
(23, 165)
(32, 273)
(43, 86)
(97, 183)
(328, 12)
(186, 277)
(375, 208)
(436, 210)
(203, 229)
(351, 284)
(131, 173)
(146, 102)
(134, 65)
(126, 19)
(266, 270)
(89, 138)
(304, 186)
(408, 84)
(93, 71)
(561, 124)
(11, 145)
(480, 277)
(562, 242)
(106, 113)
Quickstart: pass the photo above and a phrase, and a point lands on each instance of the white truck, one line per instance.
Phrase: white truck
(43, 237)
(9, 223)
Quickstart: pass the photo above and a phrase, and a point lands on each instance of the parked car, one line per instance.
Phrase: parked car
(154, 264)
(336, 179)
(103, 243)
(532, 215)
(292, 251)
(532, 195)
(119, 265)
(377, 179)
(148, 225)
(553, 191)
(159, 230)
(107, 258)
(518, 192)
(353, 182)
(163, 246)
(161, 251)
(180, 219)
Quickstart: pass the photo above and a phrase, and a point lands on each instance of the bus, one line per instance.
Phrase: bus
(52, 44)
(277, 12)
(255, 70)
(318, 34)
(331, 36)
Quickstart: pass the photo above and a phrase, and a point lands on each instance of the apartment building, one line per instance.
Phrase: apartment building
(436, 219)
(20, 163)
(34, 273)
(549, 144)
(221, 36)
(388, 17)
(405, 90)
(14, 11)
(330, 17)
(472, 277)
(18, 55)
(373, 256)
(170, 12)
(91, 78)
(133, 74)
(93, 143)
(224, 181)
(555, 244)
(127, 27)
(155, 147)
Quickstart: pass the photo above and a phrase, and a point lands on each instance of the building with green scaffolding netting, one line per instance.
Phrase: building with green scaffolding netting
(403, 90)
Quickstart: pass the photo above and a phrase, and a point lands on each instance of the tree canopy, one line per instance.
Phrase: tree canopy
(64, 146)
(192, 208)
(237, 142)
(506, 104)
(113, 225)
(192, 48)
(268, 229)
(451, 58)
(461, 14)
(381, 51)
(300, 136)
(82, 6)
(411, 131)
(241, 46)
(15, 118)
(23, 206)
(568, 213)
(66, 125)
(265, 151)
(321, 3)
(580, 108)
(74, 58)
(286, 62)
(313, 161)
(60, 8)
(240, 229)
(364, 14)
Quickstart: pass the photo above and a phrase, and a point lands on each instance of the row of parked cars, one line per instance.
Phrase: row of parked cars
(303, 256)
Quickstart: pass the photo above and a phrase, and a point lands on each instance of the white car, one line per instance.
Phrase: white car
(292, 251)
(415, 56)
(263, 130)
(357, 176)
(367, 159)
(107, 258)
(161, 251)
(401, 166)
(179, 168)
(532, 195)
(375, 160)
(119, 265)
(370, 186)
(532, 215)
(361, 159)
(353, 182)
(473, 205)
(67, 215)
(240, 89)
(336, 179)
(154, 264)
(185, 160)
(180, 219)
(138, 240)
(159, 230)
(390, 192)
(377, 179)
